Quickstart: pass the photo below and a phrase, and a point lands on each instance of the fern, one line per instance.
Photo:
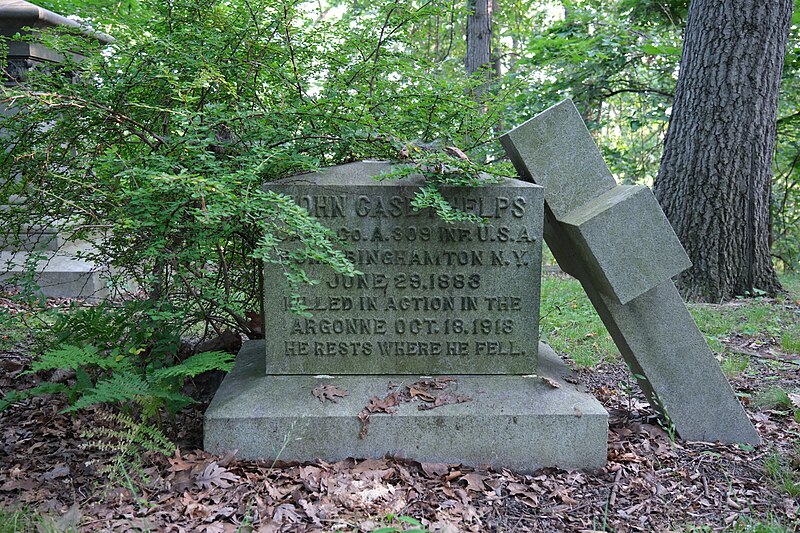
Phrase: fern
(74, 358)
(128, 440)
(195, 365)
(124, 387)
(17, 396)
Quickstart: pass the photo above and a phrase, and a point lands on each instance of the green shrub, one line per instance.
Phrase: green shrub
(124, 356)
(158, 154)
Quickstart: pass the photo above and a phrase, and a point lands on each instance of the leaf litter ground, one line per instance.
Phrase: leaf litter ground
(651, 483)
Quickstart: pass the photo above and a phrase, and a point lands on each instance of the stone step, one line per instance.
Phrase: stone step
(513, 421)
(33, 238)
(59, 274)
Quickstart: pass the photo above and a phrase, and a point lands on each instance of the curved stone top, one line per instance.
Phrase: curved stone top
(17, 14)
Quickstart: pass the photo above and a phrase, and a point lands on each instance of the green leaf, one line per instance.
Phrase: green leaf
(195, 365)
(119, 388)
(18, 396)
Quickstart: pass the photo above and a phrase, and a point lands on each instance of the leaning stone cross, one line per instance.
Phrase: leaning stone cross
(617, 242)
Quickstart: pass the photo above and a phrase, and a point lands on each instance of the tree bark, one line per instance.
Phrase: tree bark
(714, 182)
(479, 36)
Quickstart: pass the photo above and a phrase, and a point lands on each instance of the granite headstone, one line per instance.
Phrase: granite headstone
(432, 297)
(459, 301)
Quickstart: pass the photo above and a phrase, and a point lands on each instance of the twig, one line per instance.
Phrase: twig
(615, 488)
(784, 358)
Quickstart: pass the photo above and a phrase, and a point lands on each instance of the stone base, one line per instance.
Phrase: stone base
(59, 274)
(518, 422)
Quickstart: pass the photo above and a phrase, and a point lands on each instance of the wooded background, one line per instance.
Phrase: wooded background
(163, 143)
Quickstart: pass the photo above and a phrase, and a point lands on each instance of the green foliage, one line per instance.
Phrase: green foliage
(129, 441)
(400, 524)
(158, 154)
(13, 396)
(781, 473)
(773, 398)
(748, 525)
(26, 520)
(570, 325)
(123, 356)
(790, 342)
(115, 377)
(441, 169)
(744, 317)
(735, 365)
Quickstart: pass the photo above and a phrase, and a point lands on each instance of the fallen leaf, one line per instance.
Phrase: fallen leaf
(227, 458)
(445, 398)
(475, 481)
(376, 405)
(368, 465)
(55, 473)
(69, 521)
(456, 152)
(178, 464)
(435, 469)
(285, 512)
(421, 394)
(553, 383)
(214, 475)
(328, 392)
(795, 398)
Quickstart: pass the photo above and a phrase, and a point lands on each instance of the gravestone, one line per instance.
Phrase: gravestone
(58, 269)
(433, 298)
(441, 328)
(617, 242)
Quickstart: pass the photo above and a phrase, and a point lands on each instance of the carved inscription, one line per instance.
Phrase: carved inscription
(433, 297)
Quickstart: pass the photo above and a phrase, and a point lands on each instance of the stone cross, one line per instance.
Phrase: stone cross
(617, 242)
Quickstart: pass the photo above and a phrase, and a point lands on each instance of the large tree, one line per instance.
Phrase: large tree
(715, 177)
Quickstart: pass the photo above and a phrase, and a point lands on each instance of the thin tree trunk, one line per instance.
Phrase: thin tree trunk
(479, 36)
(716, 172)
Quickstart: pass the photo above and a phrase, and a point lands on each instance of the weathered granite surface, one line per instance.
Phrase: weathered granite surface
(626, 242)
(654, 331)
(59, 274)
(434, 298)
(561, 156)
(517, 422)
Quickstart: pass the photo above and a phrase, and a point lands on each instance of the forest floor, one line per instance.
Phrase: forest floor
(55, 478)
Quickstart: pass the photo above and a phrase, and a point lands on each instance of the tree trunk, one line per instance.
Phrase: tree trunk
(714, 182)
(479, 36)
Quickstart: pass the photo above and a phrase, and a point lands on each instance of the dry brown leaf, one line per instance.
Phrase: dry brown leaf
(286, 512)
(454, 474)
(178, 464)
(421, 394)
(55, 473)
(444, 398)
(549, 381)
(795, 398)
(328, 392)
(214, 527)
(377, 405)
(528, 498)
(214, 475)
(374, 493)
(441, 382)
(370, 464)
(456, 152)
(444, 527)
(475, 481)
(227, 458)
(435, 469)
